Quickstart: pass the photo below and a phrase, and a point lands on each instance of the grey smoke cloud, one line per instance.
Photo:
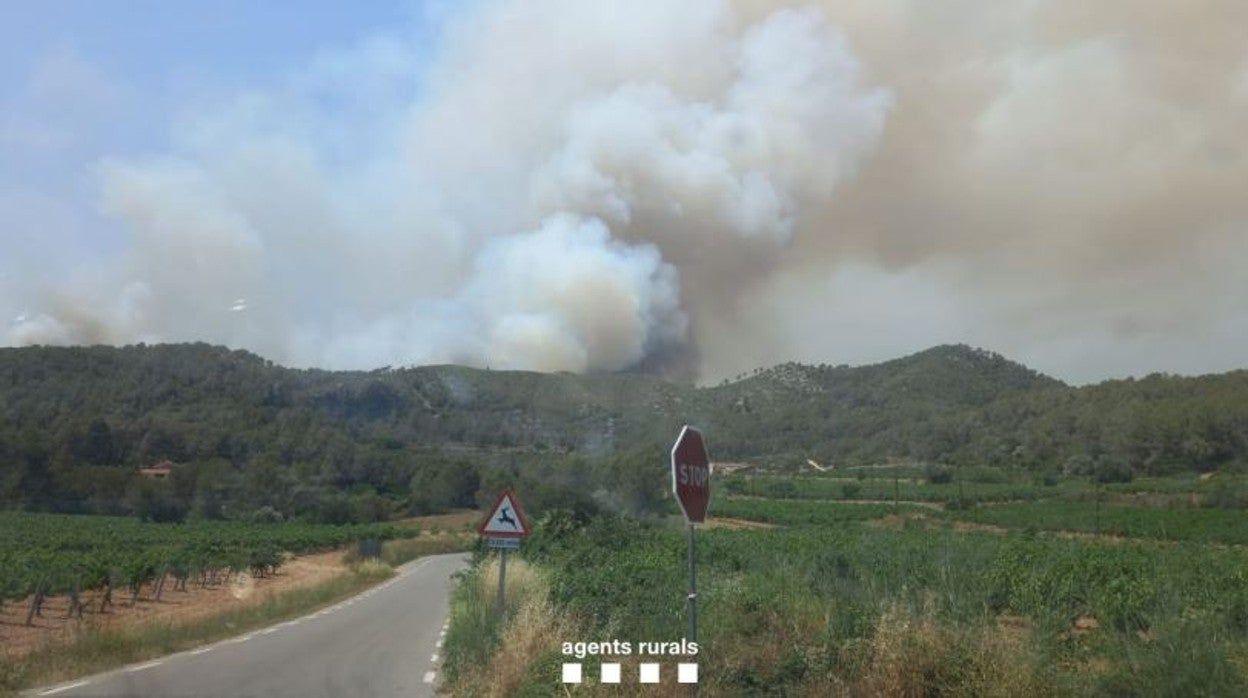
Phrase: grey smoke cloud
(709, 185)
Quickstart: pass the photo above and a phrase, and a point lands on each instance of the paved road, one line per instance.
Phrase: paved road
(383, 642)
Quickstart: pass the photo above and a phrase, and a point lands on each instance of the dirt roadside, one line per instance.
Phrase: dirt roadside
(54, 627)
(241, 591)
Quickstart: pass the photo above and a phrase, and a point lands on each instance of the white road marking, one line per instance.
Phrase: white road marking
(438, 644)
(408, 570)
(79, 684)
(434, 658)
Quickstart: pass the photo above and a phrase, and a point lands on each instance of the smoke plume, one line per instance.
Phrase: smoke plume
(703, 186)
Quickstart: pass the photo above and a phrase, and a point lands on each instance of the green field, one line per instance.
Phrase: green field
(1006, 486)
(842, 598)
(1195, 525)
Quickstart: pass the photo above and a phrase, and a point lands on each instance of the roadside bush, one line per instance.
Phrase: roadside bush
(397, 552)
(851, 490)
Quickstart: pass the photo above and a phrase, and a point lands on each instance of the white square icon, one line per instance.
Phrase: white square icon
(610, 673)
(687, 673)
(649, 673)
(571, 673)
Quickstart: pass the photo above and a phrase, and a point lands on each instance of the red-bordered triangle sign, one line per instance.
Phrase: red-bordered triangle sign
(506, 519)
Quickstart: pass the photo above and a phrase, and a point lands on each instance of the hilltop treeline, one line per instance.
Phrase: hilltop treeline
(256, 440)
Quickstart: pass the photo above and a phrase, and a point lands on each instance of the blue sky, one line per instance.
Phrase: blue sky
(154, 45)
(83, 80)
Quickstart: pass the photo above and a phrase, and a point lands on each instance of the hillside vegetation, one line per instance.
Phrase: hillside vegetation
(255, 440)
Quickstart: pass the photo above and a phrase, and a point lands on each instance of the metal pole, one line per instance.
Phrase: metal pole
(693, 592)
(502, 580)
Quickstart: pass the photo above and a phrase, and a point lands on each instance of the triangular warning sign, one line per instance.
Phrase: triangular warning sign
(506, 519)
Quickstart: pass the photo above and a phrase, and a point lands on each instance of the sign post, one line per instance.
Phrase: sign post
(503, 530)
(691, 483)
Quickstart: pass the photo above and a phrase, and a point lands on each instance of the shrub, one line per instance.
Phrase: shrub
(983, 474)
(937, 475)
(782, 489)
(960, 504)
(1109, 470)
(1225, 494)
(265, 514)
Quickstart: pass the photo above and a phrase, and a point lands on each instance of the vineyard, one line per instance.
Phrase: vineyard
(850, 597)
(53, 554)
(992, 486)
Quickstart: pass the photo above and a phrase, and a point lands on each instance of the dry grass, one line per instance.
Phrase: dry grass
(529, 652)
(907, 652)
(458, 520)
(915, 655)
(899, 522)
(55, 627)
(99, 650)
(532, 628)
(397, 552)
(737, 524)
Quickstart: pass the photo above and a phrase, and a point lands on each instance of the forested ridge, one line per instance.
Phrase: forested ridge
(251, 439)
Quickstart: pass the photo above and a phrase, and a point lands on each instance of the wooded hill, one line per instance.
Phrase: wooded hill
(253, 439)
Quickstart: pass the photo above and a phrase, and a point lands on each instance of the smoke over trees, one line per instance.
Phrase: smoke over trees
(676, 186)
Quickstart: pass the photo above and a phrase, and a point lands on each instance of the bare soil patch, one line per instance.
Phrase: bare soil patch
(1082, 627)
(934, 506)
(737, 524)
(965, 526)
(1157, 500)
(1103, 537)
(901, 521)
(54, 627)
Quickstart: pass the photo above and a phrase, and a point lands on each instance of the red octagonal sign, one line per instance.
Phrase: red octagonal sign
(691, 474)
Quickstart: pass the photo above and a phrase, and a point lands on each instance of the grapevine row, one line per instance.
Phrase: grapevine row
(52, 554)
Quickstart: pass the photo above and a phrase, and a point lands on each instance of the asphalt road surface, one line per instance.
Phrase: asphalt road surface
(383, 642)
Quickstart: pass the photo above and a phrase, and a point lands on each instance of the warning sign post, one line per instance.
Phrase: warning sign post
(503, 530)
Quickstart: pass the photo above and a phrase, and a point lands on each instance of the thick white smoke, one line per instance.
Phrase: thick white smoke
(709, 185)
(556, 183)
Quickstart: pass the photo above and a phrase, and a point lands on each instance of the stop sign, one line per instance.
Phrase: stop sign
(691, 474)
